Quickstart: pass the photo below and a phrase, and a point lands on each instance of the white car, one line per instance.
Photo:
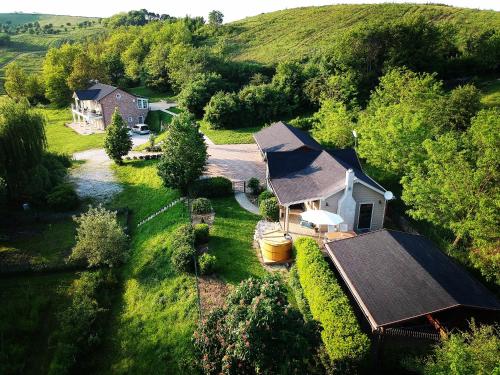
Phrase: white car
(140, 129)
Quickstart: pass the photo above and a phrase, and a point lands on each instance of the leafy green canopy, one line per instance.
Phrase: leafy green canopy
(22, 142)
(467, 353)
(457, 187)
(100, 239)
(185, 154)
(256, 332)
(117, 142)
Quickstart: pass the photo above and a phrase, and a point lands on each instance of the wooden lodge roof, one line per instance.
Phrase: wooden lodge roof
(396, 277)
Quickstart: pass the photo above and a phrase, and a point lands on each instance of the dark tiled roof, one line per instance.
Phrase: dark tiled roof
(306, 174)
(283, 137)
(95, 92)
(396, 277)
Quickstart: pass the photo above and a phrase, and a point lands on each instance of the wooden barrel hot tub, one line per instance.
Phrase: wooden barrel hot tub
(275, 247)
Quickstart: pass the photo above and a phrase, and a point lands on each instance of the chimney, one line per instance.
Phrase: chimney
(349, 180)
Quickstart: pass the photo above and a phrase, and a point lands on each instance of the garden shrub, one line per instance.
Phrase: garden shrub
(100, 239)
(346, 345)
(213, 187)
(254, 185)
(269, 209)
(207, 263)
(201, 233)
(303, 123)
(256, 332)
(298, 293)
(182, 248)
(476, 351)
(266, 194)
(63, 198)
(82, 323)
(182, 258)
(201, 206)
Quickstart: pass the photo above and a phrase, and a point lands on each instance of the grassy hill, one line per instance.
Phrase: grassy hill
(272, 37)
(29, 49)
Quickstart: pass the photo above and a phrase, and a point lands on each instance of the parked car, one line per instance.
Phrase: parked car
(140, 129)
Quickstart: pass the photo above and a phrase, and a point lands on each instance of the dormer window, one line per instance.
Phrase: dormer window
(142, 103)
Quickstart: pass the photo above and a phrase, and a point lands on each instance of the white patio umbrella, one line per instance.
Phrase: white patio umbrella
(321, 217)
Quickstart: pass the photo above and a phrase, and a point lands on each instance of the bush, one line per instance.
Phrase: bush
(201, 206)
(63, 198)
(182, 258)
(254, 185)
(201, 233)
(182, 248)
(100, 239)
(256, 332)
(183, 235)
(269, 209)
(303, 123)
(346, 345)
(213, 187)
(298, 293)
(266, 194)
(474, 352)
(207, 264)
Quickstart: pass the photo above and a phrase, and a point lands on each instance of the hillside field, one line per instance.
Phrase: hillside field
(293, 33)
(29, 49)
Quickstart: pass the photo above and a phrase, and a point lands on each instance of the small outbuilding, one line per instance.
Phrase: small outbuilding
(403, 283)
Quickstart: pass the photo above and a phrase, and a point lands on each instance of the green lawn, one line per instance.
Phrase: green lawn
(154, 320)
(45, 243)
(491, 93)
(231, 239)
(229, 136)
(64, 140)
(143, 192)
(151, 94)
(28, 320)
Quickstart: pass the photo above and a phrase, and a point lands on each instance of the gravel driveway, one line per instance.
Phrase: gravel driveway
(95, 178)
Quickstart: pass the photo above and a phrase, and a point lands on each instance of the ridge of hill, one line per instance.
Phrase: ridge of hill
(294, 33)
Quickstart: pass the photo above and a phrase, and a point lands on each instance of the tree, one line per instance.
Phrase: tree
(22, 143)
(99, 238)
(404, 111)
(185, 154)
(15, 81)
(467, 353)
(257, 332)
(215, 18)
(463, 104)
(334, 125)
(57, 67)
(117, 142)
(196, 94)
(84, 70)
(222, 111)
(457, 187)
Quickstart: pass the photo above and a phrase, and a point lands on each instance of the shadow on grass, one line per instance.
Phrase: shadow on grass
(231, 241)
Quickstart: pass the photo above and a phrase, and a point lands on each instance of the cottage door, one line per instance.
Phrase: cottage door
(365, 216)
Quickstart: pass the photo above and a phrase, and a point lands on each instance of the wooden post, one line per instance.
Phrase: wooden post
(287, 214)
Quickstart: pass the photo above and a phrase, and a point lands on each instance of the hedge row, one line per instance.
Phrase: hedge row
(344, 341)
(213, 187)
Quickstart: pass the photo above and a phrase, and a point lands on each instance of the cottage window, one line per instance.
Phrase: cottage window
(118, 96)
(130, 119)
(142, 103)
(141, 119)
